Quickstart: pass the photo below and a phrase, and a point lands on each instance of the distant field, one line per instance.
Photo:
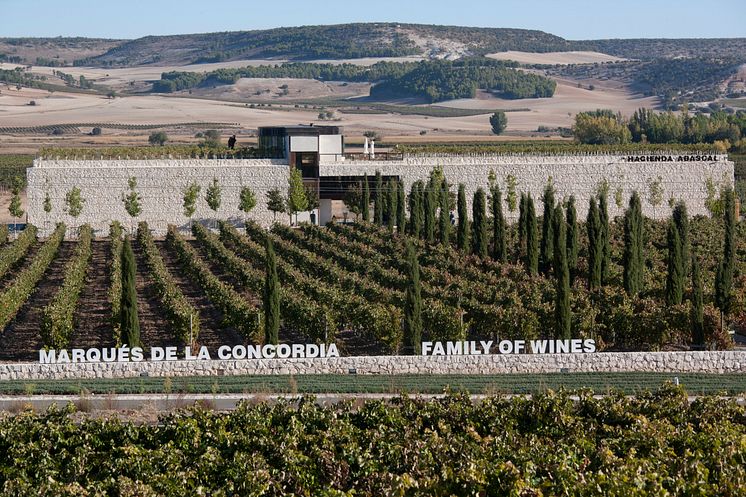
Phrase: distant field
(555, 57)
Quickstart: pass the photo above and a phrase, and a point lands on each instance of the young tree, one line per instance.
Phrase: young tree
(191, 194)
(562, 316)
(15, 201)
(392, 191)
(655, 193)
(412, 305)
(213, 195)
(595, 247)
(532, 242)
(698, 312)
(365, 205)
(401, 210)
(633, 251)
(297, 200)
(603, 214)
(511, 195)
(547, 225)
(353, 199)
(74, 202)
(312, 197)
(675, 262)
(132, 199)
(271, 301)
(498, 122)
(499, 251)
(444, 220)
(479, 228)
(572, 238)
(275, 202)
(724, 275)
(378, 200)
(130, 324)
(429, 207)
(462, 236)
(47, 203)
(246, 200)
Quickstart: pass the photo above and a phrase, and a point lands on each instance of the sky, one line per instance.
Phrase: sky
(570, 19)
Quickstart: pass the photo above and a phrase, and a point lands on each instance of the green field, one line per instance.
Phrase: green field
(629, 383)
(13, 165)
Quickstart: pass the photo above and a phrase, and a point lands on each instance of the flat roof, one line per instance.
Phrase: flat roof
(299, 129)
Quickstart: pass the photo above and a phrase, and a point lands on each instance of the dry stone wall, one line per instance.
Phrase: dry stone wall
(659, 362)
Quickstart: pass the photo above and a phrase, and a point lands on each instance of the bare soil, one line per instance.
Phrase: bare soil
(93, 313)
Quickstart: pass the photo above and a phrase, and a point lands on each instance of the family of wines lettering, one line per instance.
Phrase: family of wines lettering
(156, 354)
(482, 347)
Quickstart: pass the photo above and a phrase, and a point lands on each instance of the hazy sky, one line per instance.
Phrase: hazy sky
(571, 19)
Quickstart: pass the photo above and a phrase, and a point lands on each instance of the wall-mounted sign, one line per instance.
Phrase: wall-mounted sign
(482, 347)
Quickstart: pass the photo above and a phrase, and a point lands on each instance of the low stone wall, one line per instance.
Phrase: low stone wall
(654, 362)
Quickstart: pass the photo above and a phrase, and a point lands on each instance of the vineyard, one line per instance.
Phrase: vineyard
(342, 283)
(655, 443)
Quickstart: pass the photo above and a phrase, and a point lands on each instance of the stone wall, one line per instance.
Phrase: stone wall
(578, 175)
(660, 362)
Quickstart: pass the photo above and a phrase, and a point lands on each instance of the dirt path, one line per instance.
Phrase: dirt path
(21, 340)
(212, 334)
(92, 327)
(155, 330)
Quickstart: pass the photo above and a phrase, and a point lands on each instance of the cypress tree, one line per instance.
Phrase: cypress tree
(595, 250)
(547, 225)
(378, 200)
(401, 212)
(445, 218)
(420, 193)
(675, 275)
(522, 211)
(429, 211)
(603, 214)
(681, 218)
(129, 320)
(271, 297)
(479, 228)
(413, 305)
(633, 252)
(365, 207)
(572, 238)
(532, 242)
(462, 237)
(724, 276)
(499, 252)
(698, 311)
(391, 204)
(561, 277)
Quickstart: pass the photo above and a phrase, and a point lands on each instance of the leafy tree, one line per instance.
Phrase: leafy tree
(353, 199)
(132, 199)
(130, 324)
(158, 138)
(401, 210)
(698, 312)
(562, 317)
(365, 206)
(413, 305)
(213, 195)
(595, 246)
(191, 194)
(462, 236)
(246, 199)
(724, 275)
(572, 238)
(675, 276)
(655, 191)
(590, 127)
(378, 200)
(275, 202)
(297, 200)
(15, 200)
(271, 300)
(47, 203)
(547, 225)
(634, 259)
(532, 242)
(74, 202)
(498, 122)
(511, 195)
(479, 228)
(444, 220)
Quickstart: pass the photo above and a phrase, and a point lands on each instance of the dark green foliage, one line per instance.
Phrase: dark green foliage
(415, 210)
(479, 228)
(522, 220)
(572, 238)
(681, 218)
(675, 276)
(724, 276)
(462, 236)
(498, 122)
(547, 225)
(429, 209)
(634, 258)
(444, 221)
(130, 325)
(499, 250)
(365, 206)
(562, 317)
(603, 214)
(413, 305)
(595, 249)
(401, 210)
(391, 205)
(378, 200)
(698, 318)
(532, 238)
(271, 300)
